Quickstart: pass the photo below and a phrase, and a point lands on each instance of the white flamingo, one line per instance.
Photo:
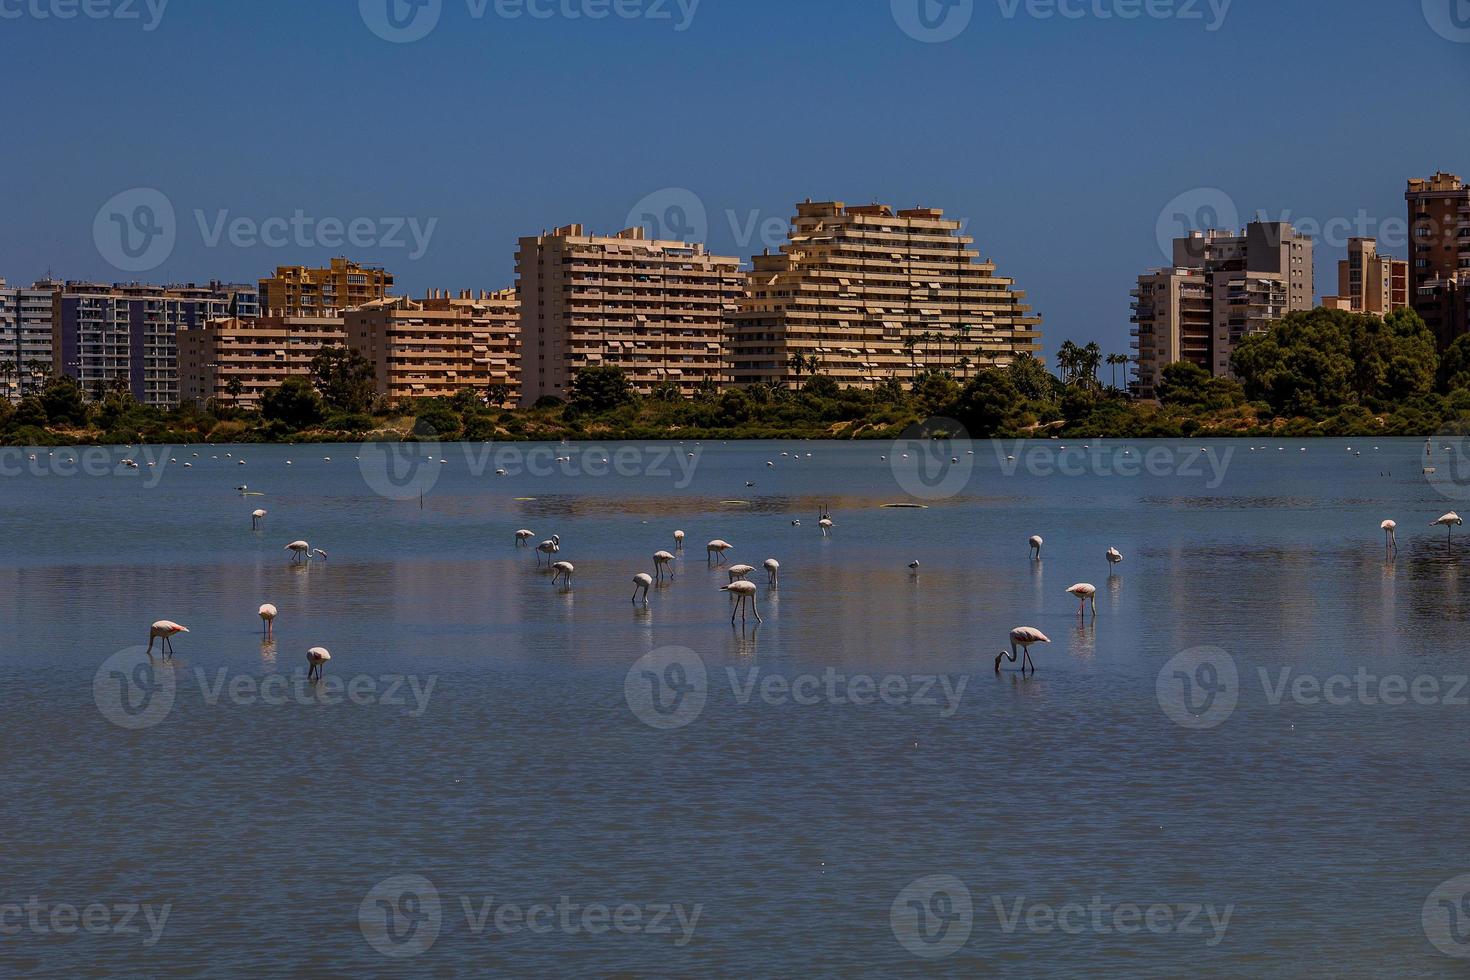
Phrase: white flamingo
(1035, 546)
(826, 525)
(560, 569)
(1114, 556)
(773, 571)
(743, 592)
(1084, 592)
(717, 546)
(256, 516)
(1023, 637)
(739, 571)
(165, 630)
(267, 618)
(522, 536)
(1450, 522)
(548, 548)
(300, 552)
(642, 581)
(663, 560)
(678, 540)
(316, 662)
(1390, 541)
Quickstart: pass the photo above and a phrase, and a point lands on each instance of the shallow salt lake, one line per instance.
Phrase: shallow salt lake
(1249, 763)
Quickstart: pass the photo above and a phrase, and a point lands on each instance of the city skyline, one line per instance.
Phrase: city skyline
(1019, 96)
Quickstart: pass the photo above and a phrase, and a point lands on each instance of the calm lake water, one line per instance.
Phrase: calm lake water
(516, 787)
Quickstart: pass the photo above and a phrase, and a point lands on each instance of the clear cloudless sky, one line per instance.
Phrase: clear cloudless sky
(1061, 140)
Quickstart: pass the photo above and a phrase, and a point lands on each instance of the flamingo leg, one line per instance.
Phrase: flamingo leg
(1094, 605)
(756, 611)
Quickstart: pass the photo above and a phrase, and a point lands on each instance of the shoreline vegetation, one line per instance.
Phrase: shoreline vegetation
(1319, 373)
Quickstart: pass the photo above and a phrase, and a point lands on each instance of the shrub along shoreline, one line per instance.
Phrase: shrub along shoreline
(1322, 373)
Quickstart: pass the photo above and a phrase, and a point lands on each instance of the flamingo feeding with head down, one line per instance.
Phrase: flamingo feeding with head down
(1390, 541)
(1114, 556)
(563, 568)
(717, 546)
(300, 552)
(1023, 637)
(267, 618)
(663, 560)
(164, 630)
(678, 540)
(773, 571)
(522, 536)
(1035, 546)
(256, 516)
(1450, 522)
(739, 571)
(642, 581)
(316, 662)
(743, 592)
(1084, 591)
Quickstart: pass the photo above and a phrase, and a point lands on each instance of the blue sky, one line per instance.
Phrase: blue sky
(1061, 129)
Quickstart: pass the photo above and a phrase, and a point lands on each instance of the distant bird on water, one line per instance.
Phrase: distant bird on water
(267, 618)
(1084, 593)
(164, 630)
(717, 546)
(1023, 637)
(642, 581)
(773, 571)
(256, 516)
(1390, 542)
(743, 592)
(678, 540)
(739, 571)
(1114, 556)
(548, 548)
(1036, 546)
(300, 552)
(1450, 522)
(563, 569)
(662, 560)
(522, 536)
(316, 662)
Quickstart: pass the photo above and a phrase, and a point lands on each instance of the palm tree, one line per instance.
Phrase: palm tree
(1069, 357)
(964, 368)
(797, 363)
(909, 343)
(7, 371)
(1091, 360)
(234, 388)
(1113, 361)
(965, 338)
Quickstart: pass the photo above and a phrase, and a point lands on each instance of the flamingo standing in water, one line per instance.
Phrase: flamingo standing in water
(678, 540)
(773, 571)
(300, 552)
(563, 568)
(1035, 546)
(1023, 637)
(739, 571)
(642, 581)
(548, 548)
(316, 662)
(1450, 522)
(1390, 542)
(826, 525)
(1114, 556)
(743, 592)
(164, 630)
(1084, 591)
(661, 561)
(267, 618)
(256, 516)
(717, 546)
(522, 536)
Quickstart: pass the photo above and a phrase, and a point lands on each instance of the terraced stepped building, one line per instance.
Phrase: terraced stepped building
(863, 294)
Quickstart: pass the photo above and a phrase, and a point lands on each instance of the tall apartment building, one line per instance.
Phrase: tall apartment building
(127, 332)
(1439, 253)
(655, 309)
(1250, 280)
(439, 346)
(258, 353)
(25, 337)
(867, 294)
(296, 290)
(1368, 282)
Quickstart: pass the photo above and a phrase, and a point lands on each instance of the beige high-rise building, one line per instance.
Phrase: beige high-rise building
(438, 346)
(1250, 280)
(296, 290)
(655, 309)
(258, 353)
(865, 294)
(1174, 318)
(1439, 253)
(1368, 282)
